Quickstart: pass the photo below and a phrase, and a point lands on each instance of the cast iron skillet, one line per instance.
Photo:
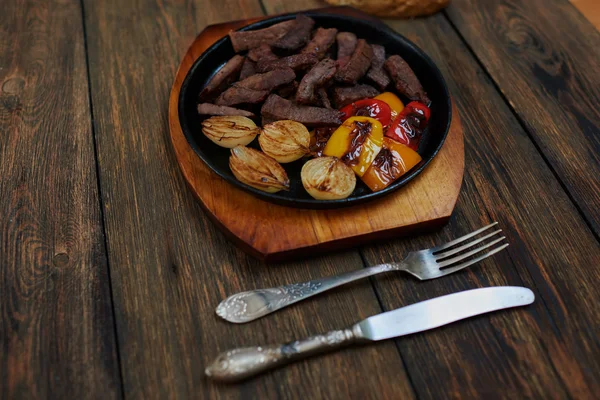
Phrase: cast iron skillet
(217, 158)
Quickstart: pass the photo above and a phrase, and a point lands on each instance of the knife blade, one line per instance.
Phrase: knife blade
(443, 310)
(242, 363)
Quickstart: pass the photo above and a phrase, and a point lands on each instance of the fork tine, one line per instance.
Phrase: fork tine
(462, 238)
(467, 254)
(458, 267)
(466, 246)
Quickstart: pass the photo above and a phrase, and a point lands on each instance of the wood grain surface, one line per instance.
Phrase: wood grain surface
(275, 233)
(553, 348)
(544, 57)
(56, 325)
(524, 78)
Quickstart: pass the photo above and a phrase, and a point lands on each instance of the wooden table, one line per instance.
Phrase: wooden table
(110, 271)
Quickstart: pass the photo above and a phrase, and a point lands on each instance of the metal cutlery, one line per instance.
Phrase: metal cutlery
(424, 264)
(242, 363)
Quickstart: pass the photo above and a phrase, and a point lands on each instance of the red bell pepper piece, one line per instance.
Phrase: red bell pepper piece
(409, 125)
(373, 108)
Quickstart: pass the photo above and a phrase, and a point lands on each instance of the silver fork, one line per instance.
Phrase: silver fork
(424, 264)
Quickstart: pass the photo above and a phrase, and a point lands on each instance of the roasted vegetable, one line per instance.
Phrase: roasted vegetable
(230, 131)
(285, 141)
(356, 142)
(258, 170)
(393, 161)
(408, 126)
(393, 101)
(328, 178)
(318, 140)
(373, 108)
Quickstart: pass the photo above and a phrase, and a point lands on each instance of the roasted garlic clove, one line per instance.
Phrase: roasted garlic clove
(230, 131)
(328, 178)
(257, 170)
(285, 141)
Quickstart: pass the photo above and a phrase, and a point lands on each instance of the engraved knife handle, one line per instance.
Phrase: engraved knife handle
(253, 304)
(241, 363)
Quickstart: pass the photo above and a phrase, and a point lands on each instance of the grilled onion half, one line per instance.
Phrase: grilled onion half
(230, 131)
(258, 170)
(285, 141)
(328, 178)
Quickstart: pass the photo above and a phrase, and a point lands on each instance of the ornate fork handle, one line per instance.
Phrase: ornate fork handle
(251, 305)
(244, 362)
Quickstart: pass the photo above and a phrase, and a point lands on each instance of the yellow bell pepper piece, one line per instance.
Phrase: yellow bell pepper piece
(349, 144)
(393, 161)
(393, 101)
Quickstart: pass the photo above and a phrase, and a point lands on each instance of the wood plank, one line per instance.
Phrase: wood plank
(171, 266)
(545, 57)
(550, 349)
(590, 9)
(56, 326)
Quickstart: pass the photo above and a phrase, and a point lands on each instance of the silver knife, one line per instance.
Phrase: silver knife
(244, 362)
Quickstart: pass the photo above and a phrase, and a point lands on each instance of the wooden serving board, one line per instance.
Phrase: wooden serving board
(272, 232)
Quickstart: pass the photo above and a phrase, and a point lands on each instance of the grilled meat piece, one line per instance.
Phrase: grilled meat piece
(297, 62)
(358, 65)
(377, 74)
(255, 88)
(322, 40)
(246, 40)
(298, 35)
(346, 43)
(345, 95)
(212, 109)
(317, 77)
(405, 80)
(262, 53)
(239, 95)
(228, 74)
(277, 108)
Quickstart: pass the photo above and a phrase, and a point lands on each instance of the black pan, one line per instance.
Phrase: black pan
(217, 158)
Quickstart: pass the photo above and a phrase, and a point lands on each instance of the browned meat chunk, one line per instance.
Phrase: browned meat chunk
(358, 65)
(297, 62)
(268, 81)
(317, 77)
(321, 42)
(345, 95)
(378, 56)
(228, 74)
(298, 35)
(377, 74)
(346, 43)
(250, 39)
(405, 79)
(248, 69)
(288, 90)
(323, 98)
(262, 53)
(255, 88)
(277, 108)
(239, 95)
(211, 109)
